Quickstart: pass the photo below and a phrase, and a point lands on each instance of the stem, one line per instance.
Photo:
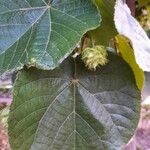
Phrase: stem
(131, 5)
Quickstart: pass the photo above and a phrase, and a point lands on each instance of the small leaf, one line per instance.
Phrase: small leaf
(129, 27)
(4, 113)
(72, 107)
(127, 54)
(42, 31)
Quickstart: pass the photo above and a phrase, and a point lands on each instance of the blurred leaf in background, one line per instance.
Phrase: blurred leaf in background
(143, 2)
(143, 14)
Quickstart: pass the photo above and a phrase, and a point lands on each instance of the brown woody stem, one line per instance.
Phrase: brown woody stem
(131, 5)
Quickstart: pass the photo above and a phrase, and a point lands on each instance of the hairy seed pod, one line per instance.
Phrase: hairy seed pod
(94, 57)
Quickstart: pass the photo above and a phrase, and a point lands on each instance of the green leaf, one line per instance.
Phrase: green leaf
(127, 53)
(104, 33)
(42, 34)
(72, 107)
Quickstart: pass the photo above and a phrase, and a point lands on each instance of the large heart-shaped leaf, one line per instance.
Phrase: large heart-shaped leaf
(42, 32)
(74, 108)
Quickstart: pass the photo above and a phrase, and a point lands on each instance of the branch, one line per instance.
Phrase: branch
(131, 5)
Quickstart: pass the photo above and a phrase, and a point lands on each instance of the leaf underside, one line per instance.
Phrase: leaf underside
(129, 27)
(72, 108)
(42, 34)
